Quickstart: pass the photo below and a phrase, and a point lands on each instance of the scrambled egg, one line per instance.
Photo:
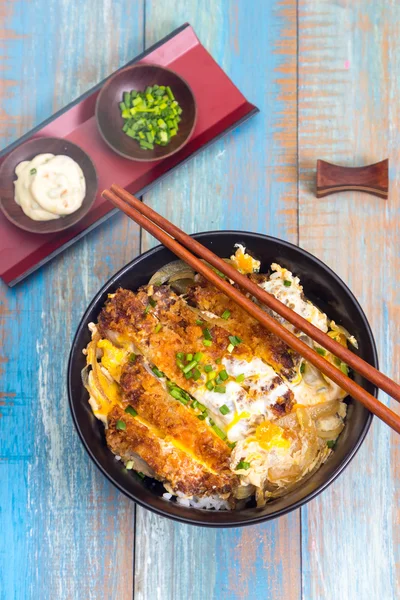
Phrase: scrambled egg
(243, 262)
(113, 358)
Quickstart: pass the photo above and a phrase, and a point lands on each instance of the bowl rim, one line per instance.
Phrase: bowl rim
(131, 68)
(257, 519)
(34, 140)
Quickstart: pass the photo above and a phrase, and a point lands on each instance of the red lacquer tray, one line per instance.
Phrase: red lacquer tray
(221, 107)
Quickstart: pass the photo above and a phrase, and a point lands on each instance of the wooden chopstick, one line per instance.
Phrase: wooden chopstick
(381, 380)
(142, 214)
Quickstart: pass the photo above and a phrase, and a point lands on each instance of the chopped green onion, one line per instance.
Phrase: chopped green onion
(224, 375)
(199, 322)
(211, 421)
(337, 361)
(189, 367)
(231, 444)
(210, 385)
(207, 343)
(198, 356)
(196, 374)
(287, 283)
(321, 351)
(235, 340)
(240, 378)
(219, 273)
(153, 116)
(33, 172)
(219, 432)
(331, 443)
(201, 417)
(132, 357)
(141, 475)
(224, 410)
(158, 328)
(180, 364)
(218, 361)
(146, 310)
(243, 465)
(208, 368)
(211, 375)
(127, 99)
(188, 375)
(230, 348)
(226, 314)
(157, 372)
(152, 301)
(131, 411)
(176, 393)
(121, 425)
(207, 334)
(218, 379)
(220, 389)
(129, 465)
(180, 355)
(170, 94)
(197, 404)
(344, 368)
(302, 367)
(189, 357)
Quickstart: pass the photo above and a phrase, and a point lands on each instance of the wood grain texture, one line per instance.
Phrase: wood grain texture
(349, 114)
(246, 180)
(66, 532)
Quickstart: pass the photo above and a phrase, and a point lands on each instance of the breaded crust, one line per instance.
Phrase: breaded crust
(170, 464)
(264, 344)
(126, 313)
(146, 394)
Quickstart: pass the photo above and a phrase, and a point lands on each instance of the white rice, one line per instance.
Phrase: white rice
(206, 503)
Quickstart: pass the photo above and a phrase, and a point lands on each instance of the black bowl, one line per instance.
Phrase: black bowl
(138, 77)
(322, 287)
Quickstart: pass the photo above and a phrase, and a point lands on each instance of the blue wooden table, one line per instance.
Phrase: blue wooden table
(326, 76)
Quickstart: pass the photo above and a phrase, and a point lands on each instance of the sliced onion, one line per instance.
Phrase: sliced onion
(244, 491)
(85, 376)
(332, 434)
(177, 269)
(180, 286)
(139, 464)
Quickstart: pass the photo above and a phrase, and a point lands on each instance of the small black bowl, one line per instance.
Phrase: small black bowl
(321, 286)
(138, 77)
(29, 150)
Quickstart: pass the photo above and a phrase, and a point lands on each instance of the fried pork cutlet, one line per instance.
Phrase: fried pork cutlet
(264, 344)
(170, 464)
(174, 420)
(163, 325)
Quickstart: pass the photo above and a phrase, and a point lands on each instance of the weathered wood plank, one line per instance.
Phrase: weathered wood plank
(66, 532)
(349, 92)
(245, 181)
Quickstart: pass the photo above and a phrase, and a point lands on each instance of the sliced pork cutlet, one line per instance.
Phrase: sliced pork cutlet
(167, 326)
(125, 316)
(264, 344)
(147, 396)
(170, 464)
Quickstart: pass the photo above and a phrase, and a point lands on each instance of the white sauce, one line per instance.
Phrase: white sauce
(48, 187)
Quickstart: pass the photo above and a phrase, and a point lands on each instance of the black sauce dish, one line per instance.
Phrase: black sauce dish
(322, 286)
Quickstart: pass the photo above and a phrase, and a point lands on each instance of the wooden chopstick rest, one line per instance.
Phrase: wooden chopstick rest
(372, 179)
